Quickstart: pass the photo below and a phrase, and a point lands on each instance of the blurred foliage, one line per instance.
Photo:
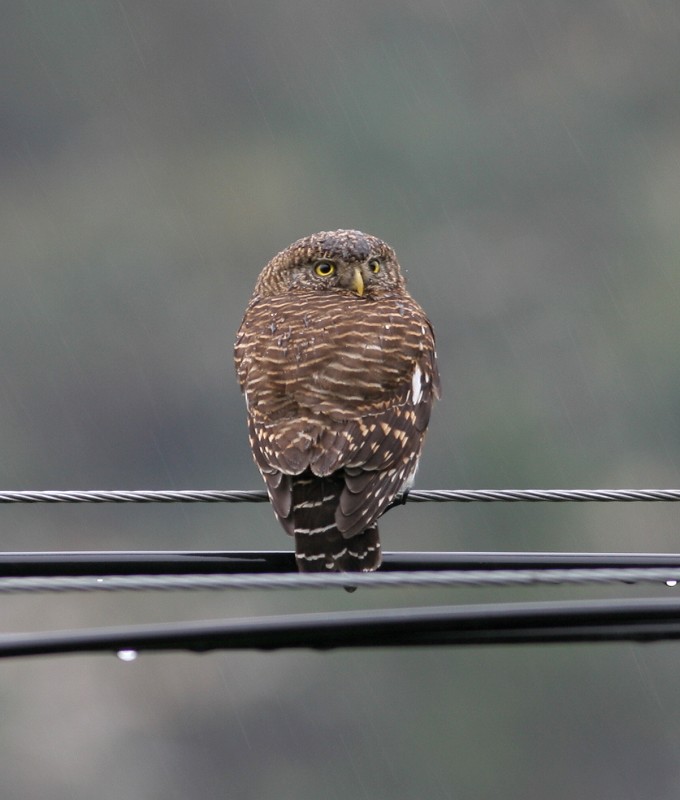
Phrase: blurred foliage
(524, 160)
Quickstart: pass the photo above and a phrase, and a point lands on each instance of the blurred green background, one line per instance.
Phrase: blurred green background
(523, 158)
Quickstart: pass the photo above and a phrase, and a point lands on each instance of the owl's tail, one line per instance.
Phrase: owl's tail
(319, 545)
(320, 552)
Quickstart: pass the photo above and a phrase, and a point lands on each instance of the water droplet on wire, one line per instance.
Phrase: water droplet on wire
(127, 655)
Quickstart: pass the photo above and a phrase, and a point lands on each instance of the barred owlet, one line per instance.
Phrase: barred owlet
(338, 367)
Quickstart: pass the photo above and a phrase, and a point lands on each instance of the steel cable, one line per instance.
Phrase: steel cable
(416, 496)
(446, 578)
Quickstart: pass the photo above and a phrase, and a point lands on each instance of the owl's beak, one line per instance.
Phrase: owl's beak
(357, 282)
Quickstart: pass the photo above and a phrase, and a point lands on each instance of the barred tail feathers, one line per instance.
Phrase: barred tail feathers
(319, 545)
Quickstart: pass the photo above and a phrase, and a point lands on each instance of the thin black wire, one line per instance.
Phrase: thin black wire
(184, 562)
(647, 620)
(416, 496)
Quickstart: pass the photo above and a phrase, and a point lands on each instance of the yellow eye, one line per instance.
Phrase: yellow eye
(324, 269)
(374, 266)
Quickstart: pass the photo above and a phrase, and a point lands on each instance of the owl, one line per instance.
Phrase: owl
(338, 367)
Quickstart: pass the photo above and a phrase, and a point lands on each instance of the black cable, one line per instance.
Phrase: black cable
(149, 562)
(646, 620)
(217, 562)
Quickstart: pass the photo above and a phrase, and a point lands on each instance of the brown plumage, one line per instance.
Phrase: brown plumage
(338, 367)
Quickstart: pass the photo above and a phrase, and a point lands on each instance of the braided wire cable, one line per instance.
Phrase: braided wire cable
(669, 576)
(416, 496)
(135, 496)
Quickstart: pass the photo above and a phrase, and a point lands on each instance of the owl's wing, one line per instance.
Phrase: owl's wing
(358, 400)
(386, 462)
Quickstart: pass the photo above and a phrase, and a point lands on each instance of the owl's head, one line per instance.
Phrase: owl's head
(341, 261)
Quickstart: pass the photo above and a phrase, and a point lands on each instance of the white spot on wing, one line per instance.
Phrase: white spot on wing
(416, 385)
